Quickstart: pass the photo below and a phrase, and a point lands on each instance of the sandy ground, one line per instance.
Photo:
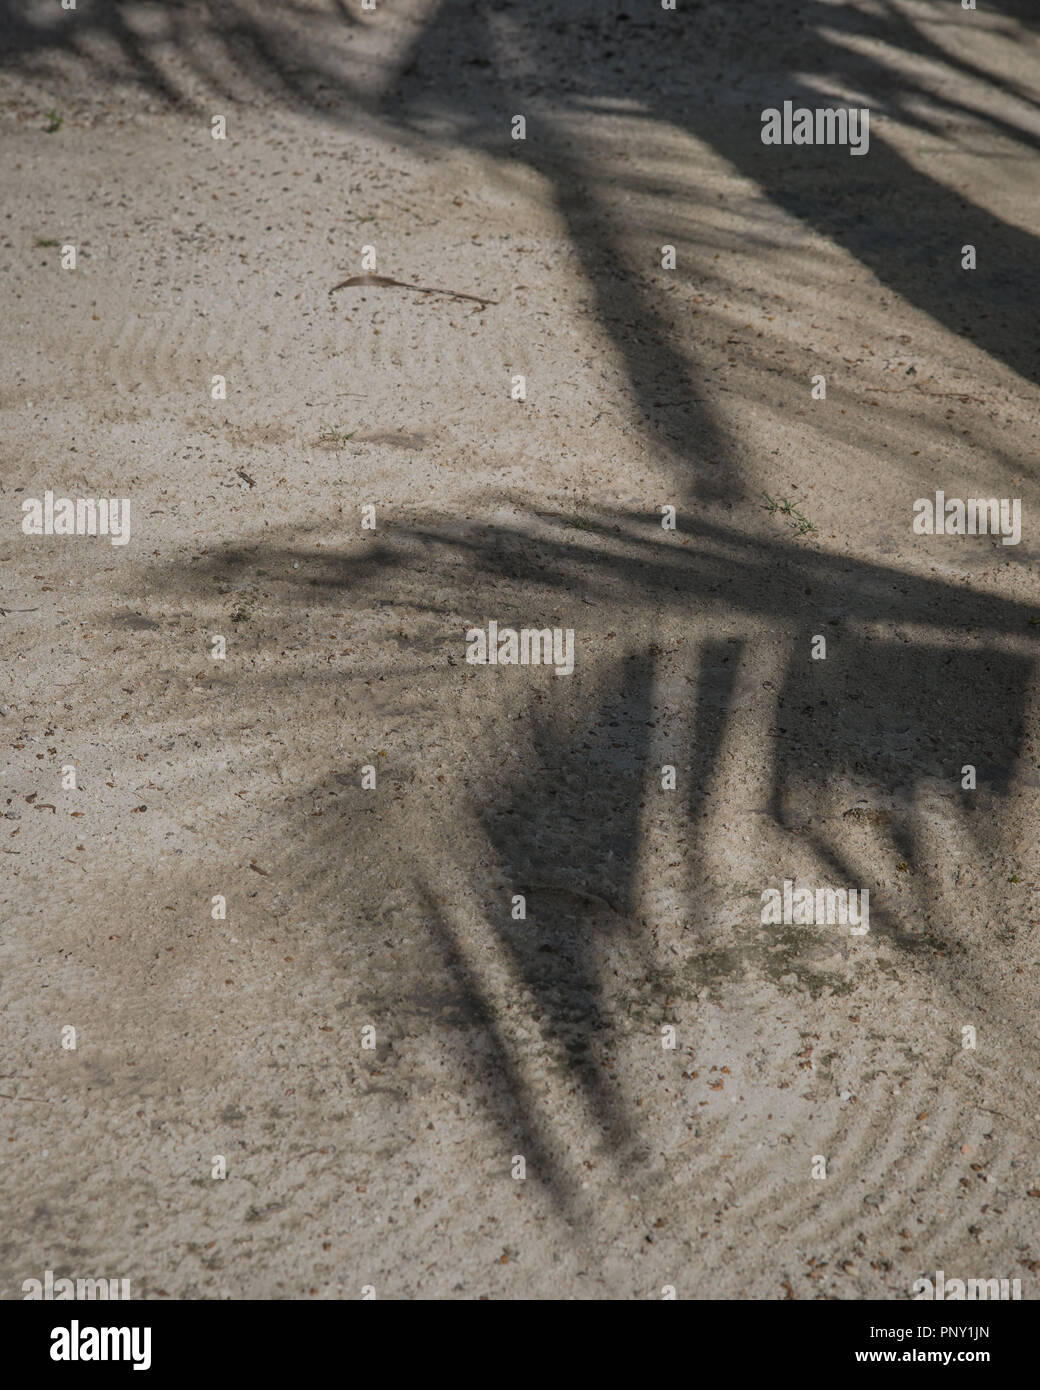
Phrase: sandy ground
(390, 908)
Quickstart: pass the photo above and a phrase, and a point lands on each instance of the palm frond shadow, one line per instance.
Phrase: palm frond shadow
(463, 68)
(871, 739)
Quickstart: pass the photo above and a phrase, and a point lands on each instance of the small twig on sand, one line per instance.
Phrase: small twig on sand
(943, 395)
(401, 284)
